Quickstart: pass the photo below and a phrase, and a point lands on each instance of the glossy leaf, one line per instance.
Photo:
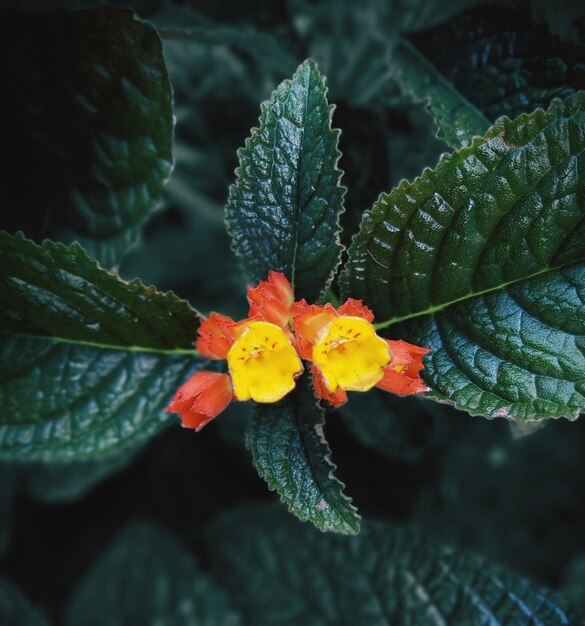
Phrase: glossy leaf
(16, 609)
(481, 260)
(148, 577)
(290, 453)
(58, 292)
(487, 62)
(88, 126)
(283, 211)
(279, 572)
(503, 62)
(63, 401)
(94, 359)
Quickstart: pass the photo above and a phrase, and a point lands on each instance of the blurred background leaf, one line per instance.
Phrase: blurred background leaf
(279, 572)
(88, 127)
(15, 608)
(147, 577)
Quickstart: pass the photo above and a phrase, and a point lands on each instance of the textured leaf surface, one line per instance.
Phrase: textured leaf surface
(88, 126)
(283, 211)
(290, 452)
(63, 400)
(16, 609)
(481, 260)
(105, 357)
(147, 577)
(403, 429)
(281, 573)
(55, 291)
(502, 62)
(457, 118)
(487, 62)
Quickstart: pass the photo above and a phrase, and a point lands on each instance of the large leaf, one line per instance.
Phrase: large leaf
(283, 211)
(279, 572)
(487, 62)
(88, 126)
(94, 359)
(16, 609)
(482, 259)
(148, 577)
(290, 452)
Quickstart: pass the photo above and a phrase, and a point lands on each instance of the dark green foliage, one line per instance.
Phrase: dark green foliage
(291, 454)
(104, 361)
(283, 211)
(87, 108)
(280, 572)
(481, 261)
(15, 608)
(147, 577)
(502, 62)
(404, 429)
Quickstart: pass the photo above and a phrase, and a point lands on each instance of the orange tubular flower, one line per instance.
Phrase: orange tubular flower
(263, 363)
(348, 355)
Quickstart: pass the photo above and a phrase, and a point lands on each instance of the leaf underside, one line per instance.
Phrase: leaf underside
(88, 116)
(482, 261)
(279, 572)
(290, 453)
(283, 211)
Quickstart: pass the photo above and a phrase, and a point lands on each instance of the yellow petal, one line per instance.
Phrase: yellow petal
(263, 363)
(350, 355)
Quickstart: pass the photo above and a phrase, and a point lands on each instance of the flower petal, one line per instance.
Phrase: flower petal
(334, 398)
(351, 355)
(263, 363)
(271, 300)
(204, 396)
(216, 336)
(401, 375)
(356, 308)
(309, 322)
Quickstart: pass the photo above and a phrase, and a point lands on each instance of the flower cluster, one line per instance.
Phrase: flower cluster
(264, 354)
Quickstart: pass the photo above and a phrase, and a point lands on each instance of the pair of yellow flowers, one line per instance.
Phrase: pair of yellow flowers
(264, 354)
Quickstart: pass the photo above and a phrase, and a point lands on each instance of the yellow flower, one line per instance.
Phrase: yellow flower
(263, 363)
(350, 355)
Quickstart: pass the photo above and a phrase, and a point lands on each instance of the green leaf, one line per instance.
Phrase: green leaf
(59, 293)
(148, 577)
(487, 62)
(458, 120)
(100, 360)
(283, 211)
(279, 572)
(62, 401)
(290, 453)
(90, 128)
(408, 429)
(481, 260)
(16, 609)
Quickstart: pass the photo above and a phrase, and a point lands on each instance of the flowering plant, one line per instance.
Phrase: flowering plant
(264, 352)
